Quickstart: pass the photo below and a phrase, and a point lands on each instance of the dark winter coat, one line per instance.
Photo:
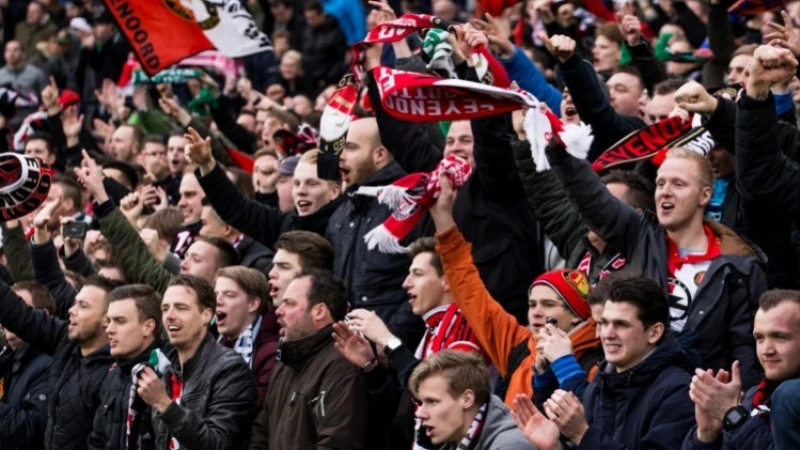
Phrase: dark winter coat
(255, 219)
(374, 278)
(721, 313)
(23, 401)
(316, 399)
(255, 255)
(110, 420)
(323, 51)
(645, 407)
(217, 401)
(75, 380)
(490, 210)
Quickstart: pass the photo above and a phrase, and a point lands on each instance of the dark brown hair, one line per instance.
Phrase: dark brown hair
(313, 250)
(204, 292)
(147, 300)
(39, 294)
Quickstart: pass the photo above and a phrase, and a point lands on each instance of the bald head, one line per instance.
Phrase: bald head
(363, 153)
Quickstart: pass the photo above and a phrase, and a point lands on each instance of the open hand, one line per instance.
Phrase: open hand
(537, 429)
(354, 347)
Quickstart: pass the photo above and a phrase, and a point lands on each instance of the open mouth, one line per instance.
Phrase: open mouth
(667, 206)
(221, 316)
(411, 298)
(172, 329)
(303, 205)
(570, 111)
(273, 290)
(428, 430)
(345, 172)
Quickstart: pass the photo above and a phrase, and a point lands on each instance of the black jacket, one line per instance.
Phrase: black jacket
(754, 433)
(645, 407)
(23, 402)
(374, 279)
(255, 219)
(722, 310)
(758, 221)
(75, 380)
(594, 108)
(491, 208)
(255, 255)
(110, 420)
(217, 402)
(323, 51)
(47, 271)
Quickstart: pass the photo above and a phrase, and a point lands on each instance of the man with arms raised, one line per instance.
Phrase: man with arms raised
(316, 398)
(314, 199)
(712, 276)
(81, 359)
(205, 398)
(134, 327)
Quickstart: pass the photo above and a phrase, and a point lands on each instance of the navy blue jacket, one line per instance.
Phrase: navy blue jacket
(753, 434)
(645, 407)
(23, 401)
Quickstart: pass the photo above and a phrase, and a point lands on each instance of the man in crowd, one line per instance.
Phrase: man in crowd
(711, 274)
(24, 372)
(253, 254)
(80, 352)
(768, 415)
(296, 252)
(456, 406)
(134, 330)
(559, 295)
(127, 143)
(204, 399)
(26, 78)
(203, 257)
(645, 372)
(246, 321)
(191, 206)
(316, 398)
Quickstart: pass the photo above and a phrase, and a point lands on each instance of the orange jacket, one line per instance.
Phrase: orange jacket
(498, 331)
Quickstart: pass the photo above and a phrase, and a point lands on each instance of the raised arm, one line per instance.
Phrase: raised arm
(613, 220)
(33, 326)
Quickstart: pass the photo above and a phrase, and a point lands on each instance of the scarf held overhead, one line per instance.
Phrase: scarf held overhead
(409, 198)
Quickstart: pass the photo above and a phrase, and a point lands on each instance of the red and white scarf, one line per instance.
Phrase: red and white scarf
(409, 198)
(540, 125)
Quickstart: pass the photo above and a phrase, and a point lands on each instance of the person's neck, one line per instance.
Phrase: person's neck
(93, 345)
(691, 237)
(234, 334)
(469, 417)
(145, 345)
(185, 353)
(596, 242)
(15, 67)
(636, 362)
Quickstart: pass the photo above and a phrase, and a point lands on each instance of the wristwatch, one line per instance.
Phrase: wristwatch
(391, 345)
(735, 417)
(368, 367)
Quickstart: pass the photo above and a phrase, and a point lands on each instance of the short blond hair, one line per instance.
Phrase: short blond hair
(310, 157)
(703, 165)
(461, 370)
(292, 56)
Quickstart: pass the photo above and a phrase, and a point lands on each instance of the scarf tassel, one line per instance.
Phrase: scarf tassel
(381, 238)
(539, 126)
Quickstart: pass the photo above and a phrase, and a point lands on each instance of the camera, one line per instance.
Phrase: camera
(75, 230)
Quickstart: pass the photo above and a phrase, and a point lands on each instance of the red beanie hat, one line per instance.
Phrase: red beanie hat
(573, 288)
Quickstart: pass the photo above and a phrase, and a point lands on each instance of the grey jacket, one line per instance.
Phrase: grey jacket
(720, 319)
(499, 431)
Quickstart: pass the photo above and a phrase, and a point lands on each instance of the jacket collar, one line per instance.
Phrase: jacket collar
(198, 357)
(295, 354)
(126, 365)
(666, 354)
(269, 328)
(319, 219)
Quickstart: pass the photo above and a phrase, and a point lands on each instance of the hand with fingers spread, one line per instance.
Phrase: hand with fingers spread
(353, 346)
(714, 396)
(630, 26)
(50, 98)
(72, 124)
(497, 36)
(537, 429)
(694, 98)
(370, 325)
(131, 206)
(560, 46)
(785, 35)
(198, 151)
(384, 12)
(102, 128)
(90, 174)
(71, 244)
(566, 411)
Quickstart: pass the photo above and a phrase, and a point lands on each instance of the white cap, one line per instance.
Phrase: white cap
(80, 24)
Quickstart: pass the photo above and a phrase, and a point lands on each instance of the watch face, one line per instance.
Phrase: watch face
(735, 416)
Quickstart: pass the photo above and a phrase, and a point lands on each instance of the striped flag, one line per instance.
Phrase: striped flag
(164, 32)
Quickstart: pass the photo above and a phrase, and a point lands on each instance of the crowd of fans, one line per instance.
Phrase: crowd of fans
(191, 282)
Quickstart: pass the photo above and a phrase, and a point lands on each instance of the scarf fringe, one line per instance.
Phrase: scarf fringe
(577, 139)
(381, 238)
(391, 196)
